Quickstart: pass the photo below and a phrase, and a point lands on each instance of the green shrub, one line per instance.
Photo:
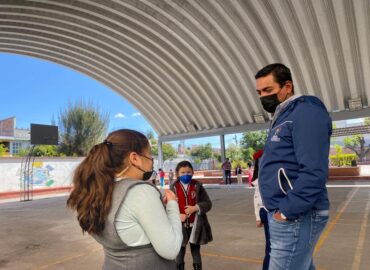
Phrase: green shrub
(342, 159)
(3, 150)
(40, 151)
(197, 161)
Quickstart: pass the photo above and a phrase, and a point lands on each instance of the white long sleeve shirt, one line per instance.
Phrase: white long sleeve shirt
(142, 219)
(257, 200)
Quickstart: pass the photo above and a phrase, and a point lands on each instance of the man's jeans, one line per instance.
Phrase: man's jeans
(227, 177)
(293, 241)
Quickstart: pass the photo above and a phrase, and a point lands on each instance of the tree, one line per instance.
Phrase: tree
(248, 153)
(81, 126)
(187, 151)
(234, 152)
(153, 142)
(52, 121)
(203, 151)
(252, 142)
(367, 121)
(357, 144)
(216, 156)
(3, 150)
(254, 139)
(150, 134)
(169, 151)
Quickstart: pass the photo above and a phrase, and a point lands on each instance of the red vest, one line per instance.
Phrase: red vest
(186, 197)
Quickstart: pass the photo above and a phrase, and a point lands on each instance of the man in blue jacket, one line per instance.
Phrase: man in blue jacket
(293, 169)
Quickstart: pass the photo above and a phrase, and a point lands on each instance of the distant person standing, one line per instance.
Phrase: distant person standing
(226, 167)
(250, 174)
(161, 177)
(170, 176)
(238, 173)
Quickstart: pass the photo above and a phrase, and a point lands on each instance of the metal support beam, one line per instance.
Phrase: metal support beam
(160, 154)
(336, 116)
(222, 142)
(344, 115)
(215, 132)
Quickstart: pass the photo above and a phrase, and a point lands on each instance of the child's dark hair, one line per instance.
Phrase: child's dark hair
(184, 163)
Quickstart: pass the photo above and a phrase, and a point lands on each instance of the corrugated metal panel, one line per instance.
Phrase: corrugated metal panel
(189, 66)
(349, 131)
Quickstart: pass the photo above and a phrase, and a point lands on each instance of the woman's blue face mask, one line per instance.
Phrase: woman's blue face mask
(186, 178)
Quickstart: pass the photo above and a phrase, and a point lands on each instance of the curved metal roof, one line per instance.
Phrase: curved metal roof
(189, 65)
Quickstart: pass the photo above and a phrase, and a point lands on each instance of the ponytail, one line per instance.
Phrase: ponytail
(93, 189)
(93, 179)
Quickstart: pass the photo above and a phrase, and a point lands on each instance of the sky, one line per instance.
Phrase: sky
(35, 91)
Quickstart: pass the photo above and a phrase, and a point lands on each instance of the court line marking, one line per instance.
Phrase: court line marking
(65, 259)
(346, 186)
(241, 259)
(361, 239)
(332, 224)
(233, 258)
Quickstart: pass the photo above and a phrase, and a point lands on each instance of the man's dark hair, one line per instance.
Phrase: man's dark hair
(280, 72)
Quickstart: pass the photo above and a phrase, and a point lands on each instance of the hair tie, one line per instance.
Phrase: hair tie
(109, 144)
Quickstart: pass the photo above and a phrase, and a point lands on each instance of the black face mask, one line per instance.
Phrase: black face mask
(146, 174)
(269, 103)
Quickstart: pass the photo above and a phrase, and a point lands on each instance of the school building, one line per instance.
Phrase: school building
(12, 138)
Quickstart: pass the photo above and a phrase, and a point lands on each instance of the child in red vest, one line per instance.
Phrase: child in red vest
(194, 203)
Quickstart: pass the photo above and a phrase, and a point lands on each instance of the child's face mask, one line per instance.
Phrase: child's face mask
(186, 178)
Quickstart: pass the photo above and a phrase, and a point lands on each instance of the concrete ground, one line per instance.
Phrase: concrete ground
(43, 234)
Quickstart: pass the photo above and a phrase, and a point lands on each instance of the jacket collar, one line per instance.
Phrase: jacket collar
(282, 106)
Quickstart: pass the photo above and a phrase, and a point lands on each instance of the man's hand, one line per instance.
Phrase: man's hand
(278, 216)
(259, 223)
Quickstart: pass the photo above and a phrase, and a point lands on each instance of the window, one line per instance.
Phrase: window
(16, 147)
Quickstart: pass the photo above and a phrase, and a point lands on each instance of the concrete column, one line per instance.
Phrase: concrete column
(222, 140)
(160, 155)
(10, 149)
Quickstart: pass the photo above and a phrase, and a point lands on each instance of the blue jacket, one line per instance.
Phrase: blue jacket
(298, 142)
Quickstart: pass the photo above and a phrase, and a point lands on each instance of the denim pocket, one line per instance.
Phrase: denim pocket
(320, 216)
(319, 219)
(283, 234)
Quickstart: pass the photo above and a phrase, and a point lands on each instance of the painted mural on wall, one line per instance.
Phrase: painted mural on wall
(53, 172)
(43, 175)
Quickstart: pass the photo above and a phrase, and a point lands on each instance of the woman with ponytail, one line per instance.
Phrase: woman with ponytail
(137, 228)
